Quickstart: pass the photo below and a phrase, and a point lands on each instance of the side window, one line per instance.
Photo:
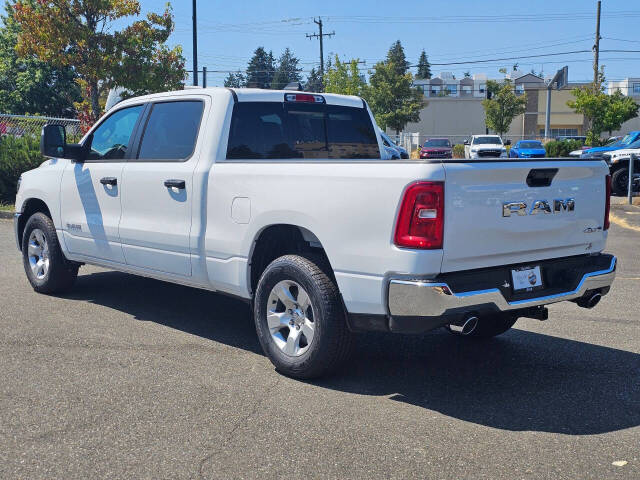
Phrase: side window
(171, 130)
(111, 139)
(351, 133)
(258, 132)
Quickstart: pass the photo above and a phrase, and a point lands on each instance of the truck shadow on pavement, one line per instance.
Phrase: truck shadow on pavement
(520, 381)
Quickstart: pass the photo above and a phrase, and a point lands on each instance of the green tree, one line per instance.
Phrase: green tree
(344, 78)
(503, 106)
(591, 101)
(620, 108)
(84, 35)
(593, 105)
(396, 56)
(424, 67)
(235, 80)
(392, 99)
(604, 113)
(29, 86)
(314, 82)
(287, 70)
(261, 69)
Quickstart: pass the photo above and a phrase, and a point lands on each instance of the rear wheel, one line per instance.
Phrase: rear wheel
(620, 181)
(487, 327)
(46, 267)
(299, 318)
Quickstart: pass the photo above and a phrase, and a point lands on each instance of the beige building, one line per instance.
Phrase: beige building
(563, 120)
(454, 108)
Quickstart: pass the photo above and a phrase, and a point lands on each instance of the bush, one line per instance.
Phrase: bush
(562, 148)
(458, 150)
(17, 155)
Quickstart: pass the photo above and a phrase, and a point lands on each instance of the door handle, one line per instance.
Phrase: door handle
(173, 183)
(109, 181)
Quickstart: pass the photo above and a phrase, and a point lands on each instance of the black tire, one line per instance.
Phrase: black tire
(331, 342)
(620, 181)
(489, 327)
(61, 273)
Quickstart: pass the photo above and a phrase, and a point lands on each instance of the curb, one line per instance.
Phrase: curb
(5, 214)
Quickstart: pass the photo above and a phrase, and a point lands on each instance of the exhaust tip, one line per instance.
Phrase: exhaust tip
(590, 300)
(594, 300)
(466, 326)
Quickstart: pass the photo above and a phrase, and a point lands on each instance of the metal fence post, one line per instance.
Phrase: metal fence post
(632, 160)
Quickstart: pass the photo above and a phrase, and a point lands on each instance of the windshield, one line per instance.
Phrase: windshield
(487, 141)
(530, 145)
(387, 141)
(628, 138)
(437, 142)
(635, 144)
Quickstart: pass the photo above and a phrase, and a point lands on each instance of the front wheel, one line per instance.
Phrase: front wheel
(47, 269)
(620, 181)
(299, 318)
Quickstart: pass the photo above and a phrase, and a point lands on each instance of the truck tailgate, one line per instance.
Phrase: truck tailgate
(477, 233)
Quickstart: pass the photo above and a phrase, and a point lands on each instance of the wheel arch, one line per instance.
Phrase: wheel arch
(276, 240)
(29, 207)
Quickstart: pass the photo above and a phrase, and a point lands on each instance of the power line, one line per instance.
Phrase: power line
(512, 18)
(620, 40)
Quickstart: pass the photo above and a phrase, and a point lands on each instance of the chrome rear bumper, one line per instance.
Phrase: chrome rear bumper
(420, 298)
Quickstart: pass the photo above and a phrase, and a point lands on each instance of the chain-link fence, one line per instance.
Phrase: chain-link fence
(22, 125)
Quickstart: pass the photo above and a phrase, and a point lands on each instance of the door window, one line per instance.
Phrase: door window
(111, 139)
(171, 131)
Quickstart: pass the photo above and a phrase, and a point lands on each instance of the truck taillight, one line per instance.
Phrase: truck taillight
(607, 202)
(420, 221)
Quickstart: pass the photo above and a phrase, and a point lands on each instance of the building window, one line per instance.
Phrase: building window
(636, 88)
(519, 89)
(482, 88)
(452, 89)
(435, 89)
(561, 132)
(466, 90)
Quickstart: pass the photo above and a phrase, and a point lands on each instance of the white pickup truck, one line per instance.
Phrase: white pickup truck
(282, 199)
(484, 146)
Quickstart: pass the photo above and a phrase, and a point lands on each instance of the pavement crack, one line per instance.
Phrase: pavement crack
(240, 423)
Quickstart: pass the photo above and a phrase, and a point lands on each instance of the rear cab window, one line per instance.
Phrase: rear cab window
(300, 130)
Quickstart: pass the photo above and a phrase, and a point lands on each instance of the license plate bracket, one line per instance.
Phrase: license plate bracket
(527, 279)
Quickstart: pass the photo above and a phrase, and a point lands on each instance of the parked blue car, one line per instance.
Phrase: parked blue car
(597, 152)
(527, 149)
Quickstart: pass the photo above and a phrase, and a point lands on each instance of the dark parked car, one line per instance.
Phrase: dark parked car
(436, 148)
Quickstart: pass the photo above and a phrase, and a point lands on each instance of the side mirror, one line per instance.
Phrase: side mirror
(53, 140)
(53, 143)
(508, 142)
(466, 142)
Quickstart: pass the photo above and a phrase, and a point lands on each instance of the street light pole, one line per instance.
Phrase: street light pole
(195, 45)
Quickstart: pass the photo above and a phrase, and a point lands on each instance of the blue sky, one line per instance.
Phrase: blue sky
(229, 31)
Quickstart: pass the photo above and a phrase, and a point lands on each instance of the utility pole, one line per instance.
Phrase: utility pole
(195, 45)
(320, 36)
(596, 51)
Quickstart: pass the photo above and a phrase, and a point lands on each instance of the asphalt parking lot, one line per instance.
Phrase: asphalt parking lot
(133, 378)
